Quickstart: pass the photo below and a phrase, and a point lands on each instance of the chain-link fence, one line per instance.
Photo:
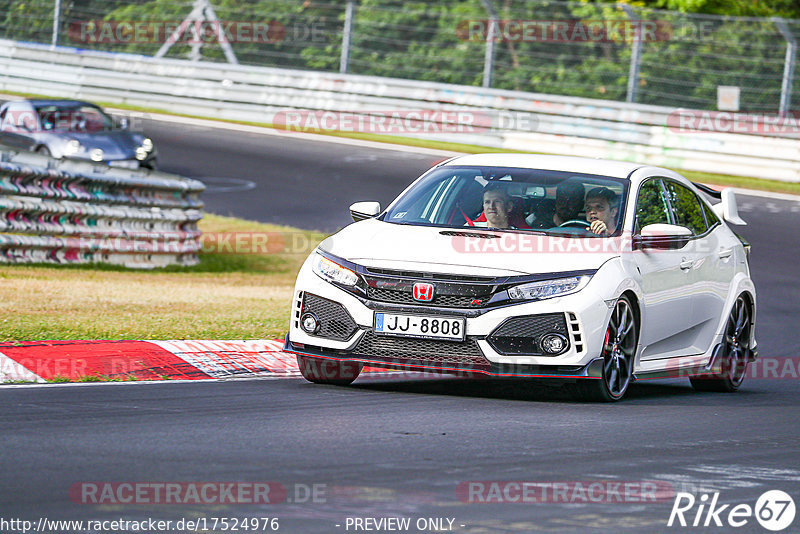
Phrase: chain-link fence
(595, 50)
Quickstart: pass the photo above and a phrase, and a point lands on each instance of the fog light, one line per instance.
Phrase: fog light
(309, 323)
(553, 343)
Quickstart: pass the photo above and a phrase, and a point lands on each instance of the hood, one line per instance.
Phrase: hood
(375, 243)
(115, 144)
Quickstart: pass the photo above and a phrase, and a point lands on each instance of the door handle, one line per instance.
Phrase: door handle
(686, 264)
(726, 253)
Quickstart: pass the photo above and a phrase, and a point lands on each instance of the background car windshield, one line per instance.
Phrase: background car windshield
(86, 119)
(510, 199)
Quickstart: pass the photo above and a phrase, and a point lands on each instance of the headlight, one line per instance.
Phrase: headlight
(333, 272)
(96, 154)
(141, 153)
(73, 146)
(147, 144)
(548, 288)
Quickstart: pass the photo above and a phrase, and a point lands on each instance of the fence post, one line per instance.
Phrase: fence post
(201, 10)
(491, 32)
(636, 54)
(56, 20)
(346, 34)
(788, 66)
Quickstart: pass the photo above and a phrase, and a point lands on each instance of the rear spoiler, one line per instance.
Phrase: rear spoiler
(727, 209)
(713, 193)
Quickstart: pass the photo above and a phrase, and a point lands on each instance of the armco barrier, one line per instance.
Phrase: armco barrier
(518, 120)
(74, 212)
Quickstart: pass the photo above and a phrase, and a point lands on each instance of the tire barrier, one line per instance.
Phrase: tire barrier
(55, 211)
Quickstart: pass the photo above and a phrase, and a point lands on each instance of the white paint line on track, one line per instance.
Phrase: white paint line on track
(766, 194)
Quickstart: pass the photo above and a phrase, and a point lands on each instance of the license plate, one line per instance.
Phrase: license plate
(420, 326)
(124, 163)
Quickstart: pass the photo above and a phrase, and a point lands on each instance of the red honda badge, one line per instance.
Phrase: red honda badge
(423, 292)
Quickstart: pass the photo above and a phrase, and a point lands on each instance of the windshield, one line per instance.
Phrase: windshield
(502, 198)
(78, 119)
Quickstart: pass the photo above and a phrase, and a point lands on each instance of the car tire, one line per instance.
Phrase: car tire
(619, 354)
(44, 151)
(322, 371)
(733, 355)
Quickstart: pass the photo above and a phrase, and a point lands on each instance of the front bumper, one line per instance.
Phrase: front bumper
(585, 317)
(593, 369)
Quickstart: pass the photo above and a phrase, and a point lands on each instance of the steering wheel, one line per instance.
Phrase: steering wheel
(575, 222)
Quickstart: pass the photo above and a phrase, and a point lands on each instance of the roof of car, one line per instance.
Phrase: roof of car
(60, 103)
(604, 167)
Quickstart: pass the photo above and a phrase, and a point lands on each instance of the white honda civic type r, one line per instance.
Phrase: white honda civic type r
(591, 271)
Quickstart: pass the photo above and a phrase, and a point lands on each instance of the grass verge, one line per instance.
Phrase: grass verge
(776, 186)
(228, 295)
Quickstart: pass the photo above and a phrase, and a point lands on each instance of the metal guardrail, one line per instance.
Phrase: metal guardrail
(74, 212)
(514, 120)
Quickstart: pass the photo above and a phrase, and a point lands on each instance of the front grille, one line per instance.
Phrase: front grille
(436, 352)
(475, 235)
(443, 301)
(335, 322)
(521, 335)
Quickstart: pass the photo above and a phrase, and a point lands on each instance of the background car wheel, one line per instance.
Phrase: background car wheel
(619, 352)
(321, 371)
(44, 151)
(733, 353)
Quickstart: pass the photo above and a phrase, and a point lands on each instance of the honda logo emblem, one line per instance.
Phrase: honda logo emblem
(423, 292)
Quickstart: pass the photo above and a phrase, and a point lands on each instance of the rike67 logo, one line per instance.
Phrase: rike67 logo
(774, 510)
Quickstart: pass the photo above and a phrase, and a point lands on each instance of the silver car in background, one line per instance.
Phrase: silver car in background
(74, 129)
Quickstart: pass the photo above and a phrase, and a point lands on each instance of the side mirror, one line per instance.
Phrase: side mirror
(728, 209)
(662, 236)
(364, 210)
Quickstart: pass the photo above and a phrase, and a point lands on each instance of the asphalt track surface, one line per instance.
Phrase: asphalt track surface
(401, 446)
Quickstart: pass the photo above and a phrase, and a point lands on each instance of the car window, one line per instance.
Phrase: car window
(651, 205)
(511, 198)
(711, 217)
(686, 207)
(73, 118)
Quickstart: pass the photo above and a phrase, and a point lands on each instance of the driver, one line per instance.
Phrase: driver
(601, 211)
